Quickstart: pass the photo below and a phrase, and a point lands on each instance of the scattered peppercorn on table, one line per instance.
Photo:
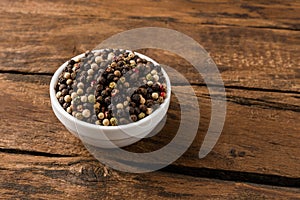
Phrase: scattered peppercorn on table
(256, 47)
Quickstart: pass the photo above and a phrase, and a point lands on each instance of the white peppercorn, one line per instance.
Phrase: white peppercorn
(67, 98)
(69, 110)
(67, 75)
(83, 99)
(86, 113)
(105, 122)
(80, 85)
(101, 115)
(58, 94)
(119, 106)
(153, 72)
(74, 95)
(94, 66)
(154, 95)
(155, 77)
(80, 91)
(98, 59)
(149, 111)
(90, 72)
(150, 83)
(69, 81)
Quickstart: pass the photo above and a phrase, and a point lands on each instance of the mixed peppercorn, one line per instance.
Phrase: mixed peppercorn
(111, 87)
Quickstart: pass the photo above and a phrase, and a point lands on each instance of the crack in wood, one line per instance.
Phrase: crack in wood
(238, 176)
(263, 103)
(33, 153)
(175, 84)
(25, 73)
(237, 87)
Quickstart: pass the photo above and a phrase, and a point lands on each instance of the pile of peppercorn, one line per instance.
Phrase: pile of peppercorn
(110, 87)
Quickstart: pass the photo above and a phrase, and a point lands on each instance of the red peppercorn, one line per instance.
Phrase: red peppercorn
(161, 88)
(163, 94)
(136, 70)
(93, 83)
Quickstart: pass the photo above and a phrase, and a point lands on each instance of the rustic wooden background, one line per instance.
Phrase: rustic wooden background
(256, 46)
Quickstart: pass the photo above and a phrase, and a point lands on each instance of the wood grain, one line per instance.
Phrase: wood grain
(255, 45)
(39, 38)
(39, 177)
(251, 128)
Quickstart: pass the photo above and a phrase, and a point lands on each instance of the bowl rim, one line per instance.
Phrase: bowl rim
(60, 109)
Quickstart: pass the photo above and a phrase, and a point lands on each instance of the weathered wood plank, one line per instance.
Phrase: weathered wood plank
(255, 45)
(39, 177)
(250, 142)
(38, 36)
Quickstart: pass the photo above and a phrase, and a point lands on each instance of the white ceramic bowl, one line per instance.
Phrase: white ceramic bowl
(109, 136)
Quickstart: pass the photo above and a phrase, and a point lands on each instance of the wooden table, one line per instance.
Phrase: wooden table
(256, 47)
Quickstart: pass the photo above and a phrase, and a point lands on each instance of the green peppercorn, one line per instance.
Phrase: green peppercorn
(122, 79)
(115, 63)
(112, 85)
(113, 121)
(91, 98)
(141, 115)
(149, 77)
(76, 100)
(79, 116)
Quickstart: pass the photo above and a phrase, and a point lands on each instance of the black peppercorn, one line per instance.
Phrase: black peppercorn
(95, 89)
(133, 118)
(135, 98)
